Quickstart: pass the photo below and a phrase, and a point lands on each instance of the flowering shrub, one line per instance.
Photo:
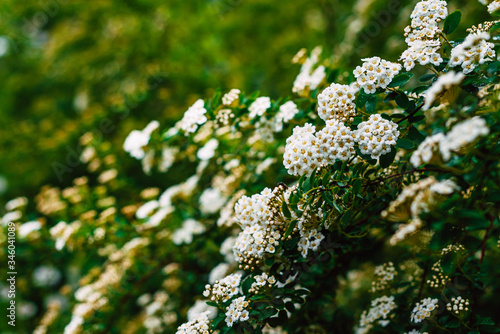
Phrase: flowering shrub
(369, 202)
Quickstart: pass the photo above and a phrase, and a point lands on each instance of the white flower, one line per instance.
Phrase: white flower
(337, 102)
(287, 112)
(463, 134)
(26, 228)
(185, 234)
(423, 309)
(376, 136)
(302, 151)
(46, 276)
(201, 325)
(259, 106)
(208, 151)
(16, 203)
(136, 140)
(230, 99)
(199, 308)
(375, 73)
(474, 50)
(443, 83)
(211, 200)
(494, 6)
(336, 141)
(218, 272)
(146, 209)
(310, 77)
(194, 117)
(237, 312)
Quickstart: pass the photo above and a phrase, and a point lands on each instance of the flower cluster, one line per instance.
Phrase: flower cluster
(310, 239)
(336, 141)
(223, 290)
(230, 99)
(384, 276)
(237, 311)
(311, 75)
(443, 83)
(259, 106)
(201, 325)
(474, 50)
(260, 281)
(136, 140)
(194, 117)
(287, 112)
(423, 309)
(458, 305)
(380, 309)
(422, 36)
(376, 136)
(190, 227)
(301, 151)
(337, 102)
(438, 278)
(375, 73)
(413, 200)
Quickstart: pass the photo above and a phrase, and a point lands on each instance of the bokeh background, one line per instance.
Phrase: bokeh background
(65, 65)
(69, 67)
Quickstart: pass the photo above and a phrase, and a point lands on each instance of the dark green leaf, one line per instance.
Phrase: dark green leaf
(400, 80)
(402, 101)
(387, 159)
(451, 22)
(405, 143)
(426, 77)
(286, 211)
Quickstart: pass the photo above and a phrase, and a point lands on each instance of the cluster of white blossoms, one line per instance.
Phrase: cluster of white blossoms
(230, 99)
(423, 309)
(416, 331)
(253, 210)
(336, 141)
(376, 136)
(384, 276)
(438, 278)
(494, 6)
(211, 200)
(223, 290)
(260, 281)
(261, 233)
(379, 312)
(137, 139)
(458, 305)
(301, 151)
(375, 73)
(194, 117)
(310, 239)
(337, 102)
(46, 276)
(443, 83)
(439, 147)
(422, 36)
(200, 325)
(415, 199)
(287, 112)
(310, 76)
(190, 227)
(259, 106)
(474, 50)
(237, 311)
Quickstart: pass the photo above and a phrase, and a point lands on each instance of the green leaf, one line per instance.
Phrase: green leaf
(451, 22)
(269, 261)
(387, 159)
(400, 80)
(490, 329)
(405, 143)
(402, 101)
(286, 211)
(356, 186)
(427, 77)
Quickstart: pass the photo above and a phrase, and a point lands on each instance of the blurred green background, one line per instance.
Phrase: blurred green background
(72, 66)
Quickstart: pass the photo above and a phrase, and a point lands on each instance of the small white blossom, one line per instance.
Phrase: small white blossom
(194, 117)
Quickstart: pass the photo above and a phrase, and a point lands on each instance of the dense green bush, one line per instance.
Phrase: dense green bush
(368, 201)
